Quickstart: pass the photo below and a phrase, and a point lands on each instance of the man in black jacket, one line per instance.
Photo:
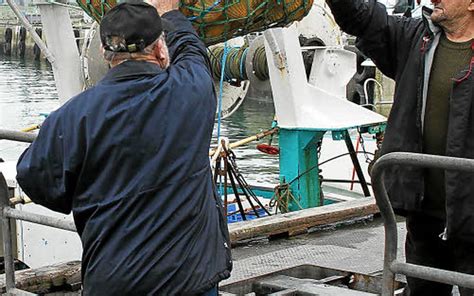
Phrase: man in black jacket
(129, 157)
(431, 61)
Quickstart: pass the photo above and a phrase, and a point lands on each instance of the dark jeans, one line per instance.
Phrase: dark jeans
(425, 247)
(211, 292)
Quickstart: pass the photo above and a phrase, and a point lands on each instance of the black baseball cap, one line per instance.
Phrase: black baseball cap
(136, 23)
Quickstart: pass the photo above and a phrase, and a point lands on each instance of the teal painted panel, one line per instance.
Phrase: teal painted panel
(299, 166)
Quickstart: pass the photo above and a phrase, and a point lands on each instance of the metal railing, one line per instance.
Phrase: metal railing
(7, 213)
(16, 136)
(391, 265)
(366, 95)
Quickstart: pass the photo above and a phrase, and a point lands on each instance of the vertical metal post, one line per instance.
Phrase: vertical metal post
(57, 29)
(7, 239)
(390, 225)
(391, 266)
(355, 162)
(8, 254)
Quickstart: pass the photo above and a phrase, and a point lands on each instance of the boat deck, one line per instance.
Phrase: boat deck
(357, 248)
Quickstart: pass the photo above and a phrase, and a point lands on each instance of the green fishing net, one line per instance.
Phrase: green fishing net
(219, 20)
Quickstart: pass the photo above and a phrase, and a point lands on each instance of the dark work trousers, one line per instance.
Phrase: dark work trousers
(424, 246)
(212, 292)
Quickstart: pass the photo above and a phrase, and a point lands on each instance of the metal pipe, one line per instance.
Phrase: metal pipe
(18, 292)
(425, 161)
(324, 180)
(62, 4)
(248, 140)
(7, 213)
(386, 210)
(384, 103)
(390, 227)
(356, 163)
(366, 92)
(8, 254)
(16, 136)
(39, 219)
(434, 274)
(278, 58)
(253, 138)
(47, 53)
(7, 238)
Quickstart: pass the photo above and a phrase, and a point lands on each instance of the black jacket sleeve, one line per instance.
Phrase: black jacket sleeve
(386, 39)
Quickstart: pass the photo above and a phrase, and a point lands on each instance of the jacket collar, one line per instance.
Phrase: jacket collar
(131, 69)
(432, 28)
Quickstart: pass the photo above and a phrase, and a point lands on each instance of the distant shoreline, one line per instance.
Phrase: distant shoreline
(16, 42)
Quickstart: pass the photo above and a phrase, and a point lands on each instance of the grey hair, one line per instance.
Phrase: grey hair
(117, 43)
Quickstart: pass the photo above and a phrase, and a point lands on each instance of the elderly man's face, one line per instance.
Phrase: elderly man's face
(447, 11)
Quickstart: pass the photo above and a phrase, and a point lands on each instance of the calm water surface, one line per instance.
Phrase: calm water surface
(27, 91)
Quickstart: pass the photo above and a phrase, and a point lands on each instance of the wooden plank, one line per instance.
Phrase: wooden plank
(300, 221)
(62, 276)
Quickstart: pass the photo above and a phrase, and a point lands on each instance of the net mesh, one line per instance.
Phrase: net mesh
(219, 20)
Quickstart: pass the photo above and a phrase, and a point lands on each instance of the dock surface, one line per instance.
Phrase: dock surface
(357, 248)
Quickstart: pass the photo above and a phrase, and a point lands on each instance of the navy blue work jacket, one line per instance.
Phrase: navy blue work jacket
(129, 157)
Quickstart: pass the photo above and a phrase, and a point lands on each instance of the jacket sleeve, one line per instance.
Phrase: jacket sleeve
(185, 47)
(46, 170)
(386, 39)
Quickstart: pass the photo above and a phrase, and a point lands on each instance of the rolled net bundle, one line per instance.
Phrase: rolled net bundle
(219, 20)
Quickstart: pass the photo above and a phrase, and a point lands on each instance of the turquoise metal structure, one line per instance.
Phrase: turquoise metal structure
(299, 163)
(306, 107)
(299, 166)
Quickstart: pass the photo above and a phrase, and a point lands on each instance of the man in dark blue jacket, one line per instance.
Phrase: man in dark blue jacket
(431, 60)
(129, 157)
